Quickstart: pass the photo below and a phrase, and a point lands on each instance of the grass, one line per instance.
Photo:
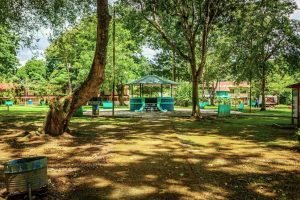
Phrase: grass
(238, 157)
(279, 110)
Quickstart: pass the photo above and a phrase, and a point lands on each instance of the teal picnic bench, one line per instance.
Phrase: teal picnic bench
(107, 105)
(203, 104)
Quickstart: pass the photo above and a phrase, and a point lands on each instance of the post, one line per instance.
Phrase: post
(161, 91)
(171, 91)
(114, 61)
(140, 90)
(250, 100)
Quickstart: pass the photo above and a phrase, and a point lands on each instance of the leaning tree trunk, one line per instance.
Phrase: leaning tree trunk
(61, 110)
(263, 89)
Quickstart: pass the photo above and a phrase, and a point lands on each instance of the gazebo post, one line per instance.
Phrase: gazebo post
(161, 91)
(171, 91)
(140, 90)
(132, 90)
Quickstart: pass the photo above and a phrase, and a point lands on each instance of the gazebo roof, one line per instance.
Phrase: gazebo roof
(152, 80)
(297, 85)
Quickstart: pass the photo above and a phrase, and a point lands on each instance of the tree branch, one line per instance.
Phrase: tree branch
(167, 39)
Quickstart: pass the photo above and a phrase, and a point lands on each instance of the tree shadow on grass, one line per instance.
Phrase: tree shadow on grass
(152, 160)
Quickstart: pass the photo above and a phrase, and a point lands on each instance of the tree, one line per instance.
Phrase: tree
(264, 35)
(218, 61)
(8, 52)
(185, 26)
(33, 76)
(58, 12)
(78, 42)
(62, 110)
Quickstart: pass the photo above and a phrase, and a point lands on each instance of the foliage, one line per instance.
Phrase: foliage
(8, 53)
(277, 85)
(264, 37)
(185, 28)
(184, 94)
(76, 47)
(32, 76)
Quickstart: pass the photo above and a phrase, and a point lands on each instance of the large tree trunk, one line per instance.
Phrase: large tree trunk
(195, 82)
(61, 110)
(195, 98)
(263, 88)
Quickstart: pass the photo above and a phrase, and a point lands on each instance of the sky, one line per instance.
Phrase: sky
(26, 54)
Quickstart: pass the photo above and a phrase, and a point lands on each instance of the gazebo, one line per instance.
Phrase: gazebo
(158, 102)
(295, 104)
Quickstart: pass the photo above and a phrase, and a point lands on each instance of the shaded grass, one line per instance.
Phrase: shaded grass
(238, 157)
(251, 128)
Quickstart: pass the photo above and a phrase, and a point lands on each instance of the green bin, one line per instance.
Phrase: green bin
(42, 103)
(224, 110)
(78, 112)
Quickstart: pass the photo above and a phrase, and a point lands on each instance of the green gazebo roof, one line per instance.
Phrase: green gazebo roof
(152, 80)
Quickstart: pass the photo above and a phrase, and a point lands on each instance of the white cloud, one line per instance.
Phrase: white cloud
(40, 44)
(296, 14)
(149, 53)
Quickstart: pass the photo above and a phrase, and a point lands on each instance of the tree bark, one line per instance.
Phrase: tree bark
(61, 110)
(120, 90)
(195, 98)
(263, 88)
(213, 92)
(174, 67)
(195, 82)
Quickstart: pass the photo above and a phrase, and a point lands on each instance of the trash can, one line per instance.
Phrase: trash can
(42, 103)
(224, 110)
(95, 109)
(30, 102)
(26, 174)
(78, 112)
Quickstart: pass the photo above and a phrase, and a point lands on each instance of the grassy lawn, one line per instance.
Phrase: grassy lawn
(240, 157)
(279, 110)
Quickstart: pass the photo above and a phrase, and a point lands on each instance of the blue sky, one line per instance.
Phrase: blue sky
(26, 54)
